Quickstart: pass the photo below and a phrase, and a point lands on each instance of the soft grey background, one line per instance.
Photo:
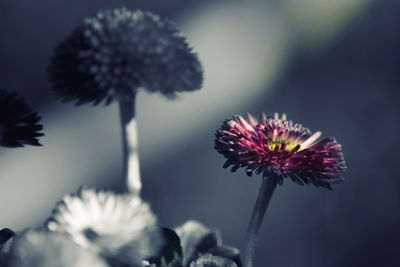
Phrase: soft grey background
(330, 65)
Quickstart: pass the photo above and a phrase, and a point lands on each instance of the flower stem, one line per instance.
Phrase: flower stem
(264, 196)
(130, 172)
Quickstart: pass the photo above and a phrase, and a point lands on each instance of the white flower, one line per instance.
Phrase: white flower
(120, 227)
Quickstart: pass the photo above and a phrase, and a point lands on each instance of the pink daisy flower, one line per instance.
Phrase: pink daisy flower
(274, 146)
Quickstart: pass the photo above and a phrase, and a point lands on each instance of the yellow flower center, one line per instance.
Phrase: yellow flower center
(289, 145)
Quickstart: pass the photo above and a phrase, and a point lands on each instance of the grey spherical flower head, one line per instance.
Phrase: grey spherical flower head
(18, 123)
(113, 53)
(121, 228)
(41, 248)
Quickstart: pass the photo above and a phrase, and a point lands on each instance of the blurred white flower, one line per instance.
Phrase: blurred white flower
(47, 249)
(120, 227)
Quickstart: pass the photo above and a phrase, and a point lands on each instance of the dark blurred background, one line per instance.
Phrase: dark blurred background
(330, 65)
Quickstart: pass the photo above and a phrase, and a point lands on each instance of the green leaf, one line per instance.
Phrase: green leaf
(5, 235)
(171, 253)
(176, 261)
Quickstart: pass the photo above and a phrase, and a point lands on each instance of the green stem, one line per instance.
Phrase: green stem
(130, 169)
(267, 188)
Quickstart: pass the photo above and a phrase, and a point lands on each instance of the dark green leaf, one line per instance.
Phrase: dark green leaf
(171, 253)
(5, 235)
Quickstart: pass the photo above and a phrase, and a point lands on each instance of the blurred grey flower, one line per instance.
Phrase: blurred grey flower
(226, 252)
(18, 123)
(148, 264)
(48, 249)
(209, 260)
(121, 228)
(116, 51)
(202, 245)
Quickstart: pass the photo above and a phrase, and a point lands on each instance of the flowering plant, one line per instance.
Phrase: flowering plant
(110, 56)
